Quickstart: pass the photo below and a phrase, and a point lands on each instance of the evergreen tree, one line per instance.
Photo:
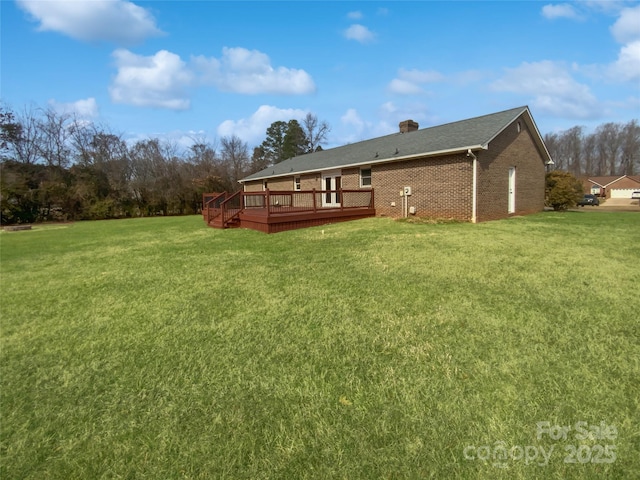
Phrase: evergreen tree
(295, 141)
(273, 145)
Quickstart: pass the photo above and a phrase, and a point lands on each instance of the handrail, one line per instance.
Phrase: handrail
(214, 205)
(217, 196)
(231, 207)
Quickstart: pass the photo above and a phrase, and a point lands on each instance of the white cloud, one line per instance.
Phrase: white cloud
(354, 15)
(161, 80)
(388, 108)
(354, 127)
(606, 6)
(250, 72)
(253, 129)
(155, 81)
(627, 67)
(469, 76)
(563, 10)
(87, 108)
(409, 82)
(421, 76)
(553, 89)
(404, 87)
(352, 119)
(626, 30)
(359, 33)
(627, 27)
(117, 21)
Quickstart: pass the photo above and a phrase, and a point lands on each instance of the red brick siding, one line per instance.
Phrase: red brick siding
(441, 187)
(255, 186)
(310, 181)
(351, 178)
(307, 182)
(510, 149)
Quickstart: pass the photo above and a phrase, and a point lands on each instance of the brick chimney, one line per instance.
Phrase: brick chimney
(408, 126)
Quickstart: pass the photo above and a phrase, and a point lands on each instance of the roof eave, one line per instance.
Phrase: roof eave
(374, 162)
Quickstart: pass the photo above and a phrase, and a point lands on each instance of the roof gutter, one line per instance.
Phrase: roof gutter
(375, 162)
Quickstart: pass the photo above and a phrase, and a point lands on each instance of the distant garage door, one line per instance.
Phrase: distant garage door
(622, 192)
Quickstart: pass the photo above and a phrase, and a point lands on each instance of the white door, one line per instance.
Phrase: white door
(331, 184)
(512, 190)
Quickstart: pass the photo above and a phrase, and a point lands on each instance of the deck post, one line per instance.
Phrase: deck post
(268, 201)
(314, 200)
(341, 196)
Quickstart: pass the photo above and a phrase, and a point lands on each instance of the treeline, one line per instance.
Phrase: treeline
(56, 167)
(612, 149)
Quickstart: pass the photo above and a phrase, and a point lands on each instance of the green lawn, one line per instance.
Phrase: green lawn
(159, 348)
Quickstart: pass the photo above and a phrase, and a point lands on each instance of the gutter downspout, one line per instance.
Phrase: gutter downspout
(474, 199)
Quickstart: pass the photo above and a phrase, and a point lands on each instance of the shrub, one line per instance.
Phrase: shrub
(562, 191)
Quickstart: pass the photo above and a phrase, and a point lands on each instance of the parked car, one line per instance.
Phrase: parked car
(635, 195)
(589, 199)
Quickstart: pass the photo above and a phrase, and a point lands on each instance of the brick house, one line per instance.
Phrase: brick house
(612, 186)
(479, 169)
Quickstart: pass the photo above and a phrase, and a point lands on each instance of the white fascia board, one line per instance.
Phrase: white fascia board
(375, 162)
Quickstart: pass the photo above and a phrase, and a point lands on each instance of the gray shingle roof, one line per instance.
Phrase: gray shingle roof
(474, 133)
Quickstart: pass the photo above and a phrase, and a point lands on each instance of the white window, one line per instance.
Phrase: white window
(365, 177)
(296, 183)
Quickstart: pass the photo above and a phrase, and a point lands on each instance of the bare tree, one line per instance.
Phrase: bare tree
(589, 154)
(630, 147)
(609, 145)
(315, 131)
(235, 154)
(21, 135)
(54, 145)
(573, 141)
(551, 140)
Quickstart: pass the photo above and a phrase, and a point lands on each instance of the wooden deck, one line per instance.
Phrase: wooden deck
(279, 211)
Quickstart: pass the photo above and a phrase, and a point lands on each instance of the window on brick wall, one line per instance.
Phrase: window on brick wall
(365, 177)
(296, 183)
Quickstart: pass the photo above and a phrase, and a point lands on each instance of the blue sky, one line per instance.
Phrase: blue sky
(202, 69)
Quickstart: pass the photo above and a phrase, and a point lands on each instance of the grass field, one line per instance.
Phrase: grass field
(159, 348)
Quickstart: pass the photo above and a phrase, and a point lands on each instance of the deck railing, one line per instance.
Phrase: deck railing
(231, 207)
(300, 201)
(225, 207)
(211, 205)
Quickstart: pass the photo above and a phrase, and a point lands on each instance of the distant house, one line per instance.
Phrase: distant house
(483, 168)
(612, 186)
